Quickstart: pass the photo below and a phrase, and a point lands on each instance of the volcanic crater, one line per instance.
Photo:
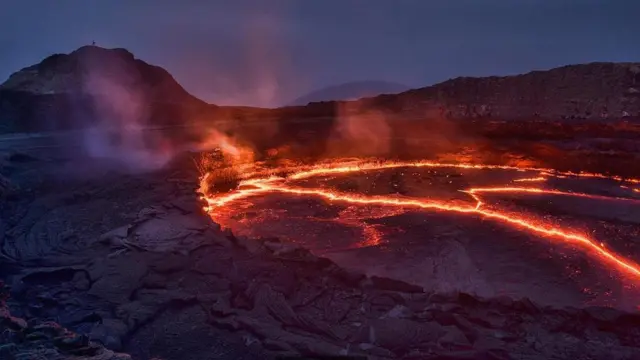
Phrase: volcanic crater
(558, 238)
(105, 247)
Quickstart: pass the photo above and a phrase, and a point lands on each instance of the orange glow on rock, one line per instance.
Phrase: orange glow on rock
(273, 184)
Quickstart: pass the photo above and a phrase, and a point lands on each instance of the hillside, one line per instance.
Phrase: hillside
(586, 91)
(93, 84)
(96, 85)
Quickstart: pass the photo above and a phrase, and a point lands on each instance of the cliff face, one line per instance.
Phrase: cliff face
(92, 84)
(588, 91)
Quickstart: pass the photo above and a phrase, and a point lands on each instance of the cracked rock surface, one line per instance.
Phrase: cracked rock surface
(45, 340)
(130, 264)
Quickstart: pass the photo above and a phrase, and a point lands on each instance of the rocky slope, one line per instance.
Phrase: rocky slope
(89, 85)
(587, 91)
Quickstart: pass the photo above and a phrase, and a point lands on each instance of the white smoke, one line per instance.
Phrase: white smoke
(118, 133)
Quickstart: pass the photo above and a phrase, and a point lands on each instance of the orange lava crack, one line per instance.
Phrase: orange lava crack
(260, 186)
(535, 179)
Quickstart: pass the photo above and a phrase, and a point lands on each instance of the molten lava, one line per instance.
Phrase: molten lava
(535, 179)
(261, 182)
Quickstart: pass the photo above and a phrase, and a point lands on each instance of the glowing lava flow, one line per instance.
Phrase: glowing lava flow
(366, 166)
(535, 179)
(521, 190)
(260, 186)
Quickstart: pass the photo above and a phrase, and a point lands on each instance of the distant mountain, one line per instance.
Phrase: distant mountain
(351, 91)
(93, 84)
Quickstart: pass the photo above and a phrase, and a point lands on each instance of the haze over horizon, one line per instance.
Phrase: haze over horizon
(267, 53)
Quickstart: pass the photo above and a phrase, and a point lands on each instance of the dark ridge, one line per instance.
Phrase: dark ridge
(61, 93)
(350, 91)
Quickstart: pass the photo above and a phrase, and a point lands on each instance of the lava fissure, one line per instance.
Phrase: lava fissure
(524, 190)
(273, 184)
(535, 179)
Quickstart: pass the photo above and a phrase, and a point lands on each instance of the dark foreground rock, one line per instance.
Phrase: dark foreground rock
(161, 280)
(45, 340)
(164, 296)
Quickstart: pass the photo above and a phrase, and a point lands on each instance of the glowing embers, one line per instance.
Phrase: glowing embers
(264, 185)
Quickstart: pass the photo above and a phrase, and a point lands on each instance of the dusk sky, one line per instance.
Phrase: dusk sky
(268, 52)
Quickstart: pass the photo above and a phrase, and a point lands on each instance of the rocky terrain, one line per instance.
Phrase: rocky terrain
(68, 91)
(132, 262)
(45, 340)
(99, 261)
(579, 117)
(574, 92)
